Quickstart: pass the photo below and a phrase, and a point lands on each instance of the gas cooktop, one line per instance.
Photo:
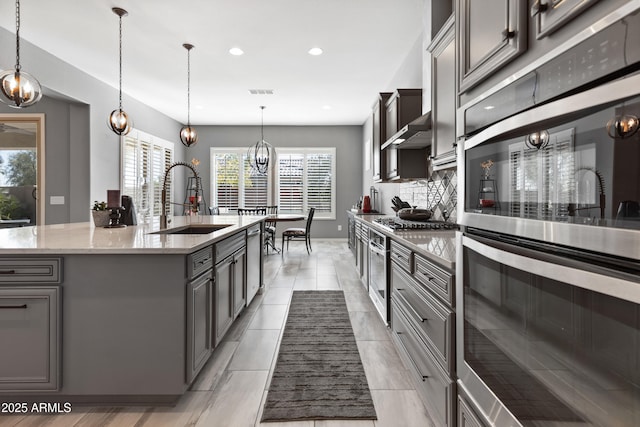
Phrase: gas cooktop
(394, 223)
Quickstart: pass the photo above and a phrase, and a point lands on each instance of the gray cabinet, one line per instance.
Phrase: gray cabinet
(466, 415)
(379, 134)
(230, 284)
(254, 261)
(363, 254)
(199, 321)
(30, 270)
(30, 336)
(549, 15)
(443, 97)
(490, 33)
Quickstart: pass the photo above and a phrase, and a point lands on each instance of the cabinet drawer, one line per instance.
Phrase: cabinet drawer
(401, 256)
(435, 279)
(199, 262)
(466, 415)
(432, 321)
(436, 389)
(33, 270)
(29, 333)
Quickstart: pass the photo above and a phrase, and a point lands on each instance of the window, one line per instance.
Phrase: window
(306, 179)
(145, 158)
(542, 181)
(300, 178)
(233, 189)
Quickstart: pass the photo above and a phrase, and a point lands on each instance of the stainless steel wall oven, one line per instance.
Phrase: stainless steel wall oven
(378, 280)
(548, 261)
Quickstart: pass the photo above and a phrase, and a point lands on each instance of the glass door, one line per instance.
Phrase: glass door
(21, 169)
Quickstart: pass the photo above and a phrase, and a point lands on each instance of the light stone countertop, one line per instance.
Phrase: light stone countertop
(437, 245)
(84, 238)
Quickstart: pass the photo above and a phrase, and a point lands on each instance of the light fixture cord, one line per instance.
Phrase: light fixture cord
(18, 35)
(120, 58)
(189, 87)
(262, 124)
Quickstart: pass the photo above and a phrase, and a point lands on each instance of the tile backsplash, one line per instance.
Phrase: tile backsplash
(439, 192)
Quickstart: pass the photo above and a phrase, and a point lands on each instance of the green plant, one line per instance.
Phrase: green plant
(10, 207)
(99, 206)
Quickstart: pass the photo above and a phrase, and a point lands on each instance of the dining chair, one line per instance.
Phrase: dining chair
(300, 233)
(270, 228)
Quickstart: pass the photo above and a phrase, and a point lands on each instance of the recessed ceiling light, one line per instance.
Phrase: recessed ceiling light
(315, 51)
(236, 51)
(489, 107)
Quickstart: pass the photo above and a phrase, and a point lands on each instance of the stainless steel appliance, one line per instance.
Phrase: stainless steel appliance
(548, 261)
(378, 280)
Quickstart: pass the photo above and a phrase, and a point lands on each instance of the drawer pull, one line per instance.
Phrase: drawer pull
(415, 366)
(201, 262)
(7, 272)
(8, 307)
(410, 307)
(538, 7)
(429, 278)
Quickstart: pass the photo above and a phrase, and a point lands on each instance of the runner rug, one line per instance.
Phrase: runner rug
(318, 373)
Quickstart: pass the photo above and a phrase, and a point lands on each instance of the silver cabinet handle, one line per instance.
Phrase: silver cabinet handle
(538, 7)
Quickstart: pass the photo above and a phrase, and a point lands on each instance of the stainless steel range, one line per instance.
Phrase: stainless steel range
(394, 223)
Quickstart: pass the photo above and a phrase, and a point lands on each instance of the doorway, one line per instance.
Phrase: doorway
(22, 170)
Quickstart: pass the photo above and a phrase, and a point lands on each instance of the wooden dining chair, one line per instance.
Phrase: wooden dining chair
(299, 233)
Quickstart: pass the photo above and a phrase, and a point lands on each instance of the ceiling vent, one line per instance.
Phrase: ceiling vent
(261, 91)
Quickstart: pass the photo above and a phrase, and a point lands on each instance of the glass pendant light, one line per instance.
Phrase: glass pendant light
(19, 89)
(260, 153)
(188, 135)
(537, 140)
(119, 121)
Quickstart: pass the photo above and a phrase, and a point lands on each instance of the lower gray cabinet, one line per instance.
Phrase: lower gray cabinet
(199, 310)
(223, 298)
(466, 415)
(30, 338)
(239, 281)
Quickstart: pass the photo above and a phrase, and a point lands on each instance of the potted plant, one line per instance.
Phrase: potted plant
(100, 214)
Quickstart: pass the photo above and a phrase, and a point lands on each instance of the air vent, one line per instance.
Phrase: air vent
(261, 91)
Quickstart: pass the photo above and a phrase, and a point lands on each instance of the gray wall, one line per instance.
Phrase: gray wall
(346, 139)
(83, 154)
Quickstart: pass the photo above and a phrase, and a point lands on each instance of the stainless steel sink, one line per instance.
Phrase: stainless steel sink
(193, 229)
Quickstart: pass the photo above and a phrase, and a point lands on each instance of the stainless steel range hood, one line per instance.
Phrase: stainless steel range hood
(415, 135)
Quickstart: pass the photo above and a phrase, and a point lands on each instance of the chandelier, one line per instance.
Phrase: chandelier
(188, 135)
(259, 154)
(19, 89)
(119, 121)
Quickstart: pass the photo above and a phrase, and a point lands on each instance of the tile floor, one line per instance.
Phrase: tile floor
(231, 389)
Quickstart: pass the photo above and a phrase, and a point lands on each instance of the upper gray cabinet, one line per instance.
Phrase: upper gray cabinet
(550, 15)
(490, 33)
(443, 97)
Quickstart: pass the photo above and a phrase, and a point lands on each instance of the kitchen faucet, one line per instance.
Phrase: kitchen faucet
(572, 206)
(163, 214)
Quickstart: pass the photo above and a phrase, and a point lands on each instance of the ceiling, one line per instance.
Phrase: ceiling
(364, 44)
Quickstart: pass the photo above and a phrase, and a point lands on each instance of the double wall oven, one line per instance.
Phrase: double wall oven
(548, 262)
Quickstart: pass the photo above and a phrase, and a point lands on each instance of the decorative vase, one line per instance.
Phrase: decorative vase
(100, 218)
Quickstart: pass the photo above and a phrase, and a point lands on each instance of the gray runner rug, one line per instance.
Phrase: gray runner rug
(318, 374)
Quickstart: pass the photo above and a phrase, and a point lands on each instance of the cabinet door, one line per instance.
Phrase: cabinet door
(391, 161)
(30, 337)
(239, 282)
(199, 346)
(490, 33)
(552, 14)
(223, 298)
(443, 93)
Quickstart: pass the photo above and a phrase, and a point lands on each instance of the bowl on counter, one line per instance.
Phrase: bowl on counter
(487, 203)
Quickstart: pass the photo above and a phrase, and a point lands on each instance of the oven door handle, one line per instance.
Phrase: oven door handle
(581, 278)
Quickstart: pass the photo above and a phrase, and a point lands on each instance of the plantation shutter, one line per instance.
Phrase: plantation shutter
(291, 185)
(226, 174)
(255, 186)
(319, 182)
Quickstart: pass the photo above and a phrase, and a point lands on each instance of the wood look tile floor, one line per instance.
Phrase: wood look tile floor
(231, 389)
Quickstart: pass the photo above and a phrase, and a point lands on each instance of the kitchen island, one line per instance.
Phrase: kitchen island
(120, 315)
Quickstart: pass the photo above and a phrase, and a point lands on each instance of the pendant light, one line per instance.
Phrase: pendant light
(537, 140)
(119, 120)
(260, 153)
(19, 89)
(624, 126)
(188, 135)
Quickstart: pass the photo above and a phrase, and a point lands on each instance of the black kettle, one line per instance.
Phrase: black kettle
(128, 211)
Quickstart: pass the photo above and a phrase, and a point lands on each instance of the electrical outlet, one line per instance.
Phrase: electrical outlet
(339, 228)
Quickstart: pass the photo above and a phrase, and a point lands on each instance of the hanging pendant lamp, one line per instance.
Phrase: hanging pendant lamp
(260, 153)
(119, 121)
(19, 89)
(188, 135)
